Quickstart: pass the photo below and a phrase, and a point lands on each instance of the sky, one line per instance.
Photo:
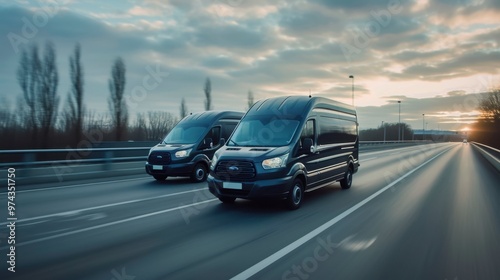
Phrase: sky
(435, 56)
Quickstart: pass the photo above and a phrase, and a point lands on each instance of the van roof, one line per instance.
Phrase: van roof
(212, 116)
(298, 105)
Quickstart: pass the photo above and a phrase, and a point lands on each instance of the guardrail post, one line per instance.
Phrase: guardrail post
(28, 158)
(108, 156)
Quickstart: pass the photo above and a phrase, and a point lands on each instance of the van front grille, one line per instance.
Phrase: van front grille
(159, 157)
(234, 170)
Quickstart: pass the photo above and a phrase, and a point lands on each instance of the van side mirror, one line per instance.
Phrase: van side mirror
(308, 146)
(222, 142)
(207, 143)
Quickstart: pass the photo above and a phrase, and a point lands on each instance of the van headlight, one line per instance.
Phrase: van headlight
(213, 163)
(275, 162)
(182, 153)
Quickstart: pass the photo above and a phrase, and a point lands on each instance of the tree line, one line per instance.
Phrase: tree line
(388, 132)
(35, 121)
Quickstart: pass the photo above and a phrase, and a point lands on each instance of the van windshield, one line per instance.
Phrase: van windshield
(264, 132)
(184, 134)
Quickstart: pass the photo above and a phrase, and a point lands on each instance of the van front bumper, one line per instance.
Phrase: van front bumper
(180, 169)
(261, 189)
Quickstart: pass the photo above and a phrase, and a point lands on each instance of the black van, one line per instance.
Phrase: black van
(190, 145)
(286, 146)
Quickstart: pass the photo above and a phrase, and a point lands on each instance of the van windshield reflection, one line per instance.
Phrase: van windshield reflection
(264, 132)
(184, 134)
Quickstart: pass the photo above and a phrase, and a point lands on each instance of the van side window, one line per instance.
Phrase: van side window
(215, 135)
(227, 129)
(307, 132)
(334, 130)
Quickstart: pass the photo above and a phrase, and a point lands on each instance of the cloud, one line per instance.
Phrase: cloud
(273, 48)
(142, 11)
(229, 37)
(221, 62)
(492, 36)
(460, 66)
(412, 55)
(356, 5)
(456, 93)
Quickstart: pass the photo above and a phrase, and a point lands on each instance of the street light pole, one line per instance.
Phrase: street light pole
(399, 121)
(352, 77)
(384, 130)
(423, 127)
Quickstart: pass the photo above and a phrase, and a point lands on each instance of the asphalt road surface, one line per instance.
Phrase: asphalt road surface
(421, 212)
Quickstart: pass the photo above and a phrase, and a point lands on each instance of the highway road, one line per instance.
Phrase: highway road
(422, 212)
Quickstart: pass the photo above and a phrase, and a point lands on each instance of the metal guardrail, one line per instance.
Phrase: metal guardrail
(392, 142)
(489, 153)
(77, 156)
(491, 150)
(80, 156)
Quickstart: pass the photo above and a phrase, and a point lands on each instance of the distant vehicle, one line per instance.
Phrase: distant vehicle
(286, 146)
(190, 145)
(465, 141)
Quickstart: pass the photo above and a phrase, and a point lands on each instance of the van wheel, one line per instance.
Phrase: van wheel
(227, 200)
(199, 173)
(296, 194)
(347, 181)
(160, 177)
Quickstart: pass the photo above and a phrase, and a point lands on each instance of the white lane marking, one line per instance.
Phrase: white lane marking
(355, 246)
(398, 149)
(54, 231)
(76, 212)
(93, 217)
(299, 242)
(74, 186)
(364, 160)
(110, 223)
(386, 150)
(30, 224)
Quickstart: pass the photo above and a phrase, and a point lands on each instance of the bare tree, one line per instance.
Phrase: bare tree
(250, 99)
(20, 114)
(94, 121)
(116, 102)
(8, 126)
(75, 109)
(7, 117)
(184, 109)
(28, 76)
(160, 123)
(139, 131)
(49, 101)
(487, 129)
(490, 105)
(208, 95)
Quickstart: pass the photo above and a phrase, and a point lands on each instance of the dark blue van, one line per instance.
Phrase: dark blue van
(190, 145)
(286, 146)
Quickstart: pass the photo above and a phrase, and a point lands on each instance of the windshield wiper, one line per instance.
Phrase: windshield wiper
(231, 141)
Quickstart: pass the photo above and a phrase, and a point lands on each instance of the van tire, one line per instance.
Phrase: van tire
(199, 173)
(227, 199)
(347, 181)
(295, 195)
(160, 177)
